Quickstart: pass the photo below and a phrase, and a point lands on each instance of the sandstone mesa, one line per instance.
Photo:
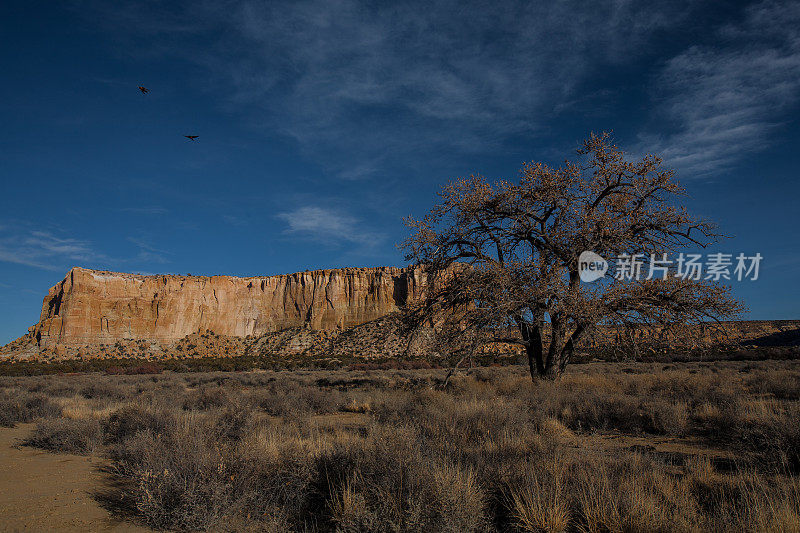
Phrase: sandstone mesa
(346, 312)
(93, 308)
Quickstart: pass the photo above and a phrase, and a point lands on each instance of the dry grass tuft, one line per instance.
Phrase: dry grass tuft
(540, 504)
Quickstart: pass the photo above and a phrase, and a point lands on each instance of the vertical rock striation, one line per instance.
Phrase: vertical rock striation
(99, 307)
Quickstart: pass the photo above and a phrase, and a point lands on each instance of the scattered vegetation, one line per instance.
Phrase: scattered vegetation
(608, 447)
(282, 362)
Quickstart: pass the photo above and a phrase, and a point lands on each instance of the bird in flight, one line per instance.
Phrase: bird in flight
(191, 137)
(144, 90)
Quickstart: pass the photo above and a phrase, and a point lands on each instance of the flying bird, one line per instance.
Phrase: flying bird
(191, 137)
(144, 90)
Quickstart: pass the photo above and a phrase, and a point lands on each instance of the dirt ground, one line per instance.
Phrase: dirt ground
(42, 491)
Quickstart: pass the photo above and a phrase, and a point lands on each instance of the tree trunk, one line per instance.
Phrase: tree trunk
(535, 359)
(562, 347)
(532, 338)
(551, 372)
(532, 335)
(552, 366)
(565, 355)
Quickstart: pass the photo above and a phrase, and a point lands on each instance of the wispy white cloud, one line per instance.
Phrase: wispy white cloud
(45, 250)
(355, 82)
(235, 220)
(360, 171)
(363, 87)
(420, 76)
(724, 100)
(145, 210)
(329, 226)
(148, 253)
(24, 244)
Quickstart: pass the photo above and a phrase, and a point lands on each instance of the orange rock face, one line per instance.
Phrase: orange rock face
(324, 313)
(98, 307)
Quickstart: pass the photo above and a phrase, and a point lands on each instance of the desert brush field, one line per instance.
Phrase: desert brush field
(697, 446)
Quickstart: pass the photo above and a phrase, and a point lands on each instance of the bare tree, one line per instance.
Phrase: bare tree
(502, 257)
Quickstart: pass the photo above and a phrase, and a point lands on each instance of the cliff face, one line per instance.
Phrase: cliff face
(98, 307)
(324, 313)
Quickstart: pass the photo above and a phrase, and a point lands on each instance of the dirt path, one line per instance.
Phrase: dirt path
(41, 491)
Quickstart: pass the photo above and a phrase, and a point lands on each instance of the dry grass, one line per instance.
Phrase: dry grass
(610, 447)
(540, 503)
(18, 405)
(66, 435)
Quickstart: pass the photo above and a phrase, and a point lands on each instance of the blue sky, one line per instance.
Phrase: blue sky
(323, 123)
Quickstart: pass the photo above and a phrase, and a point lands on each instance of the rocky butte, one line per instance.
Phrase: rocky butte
(93, 307)
(347, 312)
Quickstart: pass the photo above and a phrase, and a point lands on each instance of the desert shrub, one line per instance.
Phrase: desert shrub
(603, 412)
(388, 483)
(273, 404)
(132, 419)
(319, 401)
(194, 476)
(207, 398)
(104, 390)
(764, 428)
(397, 452)
(666, 418)
(232, 423)
(782, 385)
(764, 505)
(538, 499)
(144, 368)
(60, 388)
(276, 470)
(454, 503)
(64, 435)
(293, 400)
(395, 364)
(625, 496)
(25, 407)
(587, 404)
(773, 433)
(178, 475)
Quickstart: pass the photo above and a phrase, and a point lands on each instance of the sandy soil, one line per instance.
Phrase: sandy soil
(41, 491)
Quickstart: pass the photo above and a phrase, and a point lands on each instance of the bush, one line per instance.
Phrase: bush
(207, 398)
(132, 419)
(104, 390)
(386, 483)
(144, 368)
(64, 435)
(181, 478)
(25, 408)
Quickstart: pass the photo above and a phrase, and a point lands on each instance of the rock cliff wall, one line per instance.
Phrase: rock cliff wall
(325, 313)
(98, 307)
